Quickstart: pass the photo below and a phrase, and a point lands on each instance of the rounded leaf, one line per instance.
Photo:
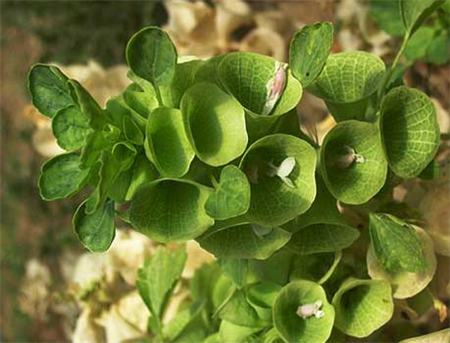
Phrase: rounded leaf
(315, 267)
(71, 128)
(151, 55)
(166, 142)
(215, 124)
(362, 306)
(276, 199)
(62, 177)
(406, 284)
(260, 84)
(309, 50)
(49, 89)
(292, 327)
(409, 130)
(352, 161)
(169, 210)
(97, 230)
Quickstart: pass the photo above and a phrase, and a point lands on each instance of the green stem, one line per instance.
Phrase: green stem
(158, 96)
(393, 66)
(222, 305)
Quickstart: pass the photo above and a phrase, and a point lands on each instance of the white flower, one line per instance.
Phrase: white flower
(309, 310)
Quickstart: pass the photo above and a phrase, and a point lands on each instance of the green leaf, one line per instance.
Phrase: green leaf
(239, 312)
(244, 241)
(275, 200)
(438, 336)
(405, 284)
(132, 131)
(158, 277)
(235, 269)
(263, 294)
(209, 71)
(96, 143)
(409, 130)
(215, 124)
(170, 210)
(347, 83)
(62, 177)
(166, 142)
(293, 328)
(141, 100)
(232, 195)
(152, 56)
(396, 244)
(232, 333)
(71, 128)
(259, 83)
(117, 109)
(315, 267)
(88, 105)
(309, 50)
(438, 51)
(414, 12)
(362, 306)
(143, 171)
(387, 16)
(49, 89)
(352, 161)
(97, 230)
(274, 269)
(418, 44)
(181, 321)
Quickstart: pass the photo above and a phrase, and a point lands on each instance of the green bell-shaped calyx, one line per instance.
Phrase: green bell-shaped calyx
(261, 84)
(405, 284)
(347, 82)
(409, 129)
(215, 124)
(170, 210)
(302, 314)
(362, 306)
(244, 241)
(166, 142)
(352, 161)
(280, 169)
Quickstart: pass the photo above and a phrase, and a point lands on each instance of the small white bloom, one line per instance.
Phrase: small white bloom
(283, 171)
(309, 310)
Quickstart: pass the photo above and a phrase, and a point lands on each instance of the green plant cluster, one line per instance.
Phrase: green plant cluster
(212, 151)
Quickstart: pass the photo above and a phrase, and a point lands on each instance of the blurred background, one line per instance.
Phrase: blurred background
(51, 289)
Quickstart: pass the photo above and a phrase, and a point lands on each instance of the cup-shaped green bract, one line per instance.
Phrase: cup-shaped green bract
(352, 161)
(362, 306)
(309, 50)
(276, 197)
(215, 124)
(49, 89)
(232, 195)
(259, 83)
(438, 336)
(291, 326)
(62, 177)
(244, 241)
(152, 56)
(409, 129)
(322, 228)
(166, 142)
(405, 284)
(315, 267)
(169, 210)
(347, 83)
(396, 244)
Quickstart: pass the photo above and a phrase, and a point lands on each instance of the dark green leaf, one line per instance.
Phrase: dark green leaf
(309, 50)
(71, 128)
(62, 177)
(97, 230)
(49, 89)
